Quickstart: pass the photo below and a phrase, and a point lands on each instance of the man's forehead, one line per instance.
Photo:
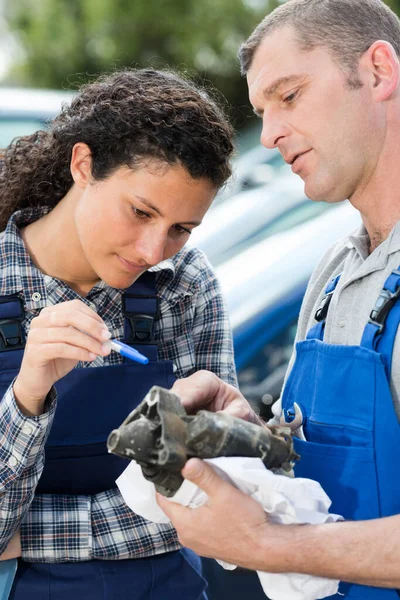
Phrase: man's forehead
(273, 58)
(279, 61)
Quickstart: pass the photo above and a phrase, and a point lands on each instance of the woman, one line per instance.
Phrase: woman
(96, 214)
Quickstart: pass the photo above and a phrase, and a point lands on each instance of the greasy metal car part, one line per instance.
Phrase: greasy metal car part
(161, 437)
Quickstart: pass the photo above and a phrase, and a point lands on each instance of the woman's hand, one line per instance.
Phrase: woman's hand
(204, 390)
(13, 549)
(60, 337)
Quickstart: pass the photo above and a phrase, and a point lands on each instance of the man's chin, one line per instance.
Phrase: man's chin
(321, 193)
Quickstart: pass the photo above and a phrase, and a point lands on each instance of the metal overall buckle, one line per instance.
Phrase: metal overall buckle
(293, 418)
(11, 335)
(382, 307)
(322, 310)
(142, 329)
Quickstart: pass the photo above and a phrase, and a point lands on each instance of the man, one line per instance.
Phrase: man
(324, 77)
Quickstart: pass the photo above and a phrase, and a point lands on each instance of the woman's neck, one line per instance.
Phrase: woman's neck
(54, 247)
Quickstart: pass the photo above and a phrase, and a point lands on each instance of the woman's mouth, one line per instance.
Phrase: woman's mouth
(131, 266)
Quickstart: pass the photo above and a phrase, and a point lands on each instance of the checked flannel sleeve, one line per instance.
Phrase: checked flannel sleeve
(22, 442)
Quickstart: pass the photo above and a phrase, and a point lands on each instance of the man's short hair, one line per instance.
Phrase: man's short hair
(346, 28)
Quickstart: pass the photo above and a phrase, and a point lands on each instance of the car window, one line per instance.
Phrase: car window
(297, 215)
(11, 128)
(294, 216)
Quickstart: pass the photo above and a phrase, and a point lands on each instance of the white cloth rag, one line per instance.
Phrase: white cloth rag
(286, 500)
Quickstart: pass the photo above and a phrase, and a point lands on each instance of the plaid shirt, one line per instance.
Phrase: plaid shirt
(192, 330)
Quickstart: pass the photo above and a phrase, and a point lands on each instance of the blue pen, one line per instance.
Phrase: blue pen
(128, 352)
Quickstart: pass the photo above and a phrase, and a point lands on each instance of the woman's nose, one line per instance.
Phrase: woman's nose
(151, 248)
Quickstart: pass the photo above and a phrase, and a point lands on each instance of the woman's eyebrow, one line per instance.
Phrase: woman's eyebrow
(157, 210)
(149, 205)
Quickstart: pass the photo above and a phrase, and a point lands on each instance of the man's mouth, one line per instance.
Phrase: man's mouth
(297, 160)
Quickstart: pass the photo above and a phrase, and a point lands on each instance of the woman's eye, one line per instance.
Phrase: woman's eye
(181, 230)
(140, 214)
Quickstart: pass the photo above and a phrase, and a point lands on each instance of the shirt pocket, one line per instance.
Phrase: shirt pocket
(180, 350)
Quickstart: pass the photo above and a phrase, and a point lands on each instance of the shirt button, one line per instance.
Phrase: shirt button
(27, 429)
(36, 296)
(342, 323)
(13, 461)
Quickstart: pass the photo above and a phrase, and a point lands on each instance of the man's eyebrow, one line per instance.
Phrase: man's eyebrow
(271, 89)
(157, 210)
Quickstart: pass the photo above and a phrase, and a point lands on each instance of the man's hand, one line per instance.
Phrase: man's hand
(204, 390)
(230, 527)
(233, 527)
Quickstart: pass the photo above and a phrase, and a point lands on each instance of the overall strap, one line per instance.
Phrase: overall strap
(381, 329)
(317, 331)
(140, 308)
(11, 317)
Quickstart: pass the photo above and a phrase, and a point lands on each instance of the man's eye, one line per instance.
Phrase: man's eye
(288, 99)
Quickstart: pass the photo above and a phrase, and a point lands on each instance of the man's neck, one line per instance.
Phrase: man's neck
(379, 205)
(375, 240)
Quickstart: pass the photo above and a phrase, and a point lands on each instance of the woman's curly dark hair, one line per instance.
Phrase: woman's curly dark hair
(124, 118)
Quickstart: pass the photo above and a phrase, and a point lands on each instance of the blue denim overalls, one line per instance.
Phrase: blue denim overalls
(351, 430)
(92, 402)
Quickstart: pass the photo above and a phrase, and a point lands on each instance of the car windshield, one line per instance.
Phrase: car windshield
(294, 216)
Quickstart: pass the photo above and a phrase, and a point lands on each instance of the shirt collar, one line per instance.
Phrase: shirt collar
(360, 241)
(19, 275)
(165, 265)
(394, 239)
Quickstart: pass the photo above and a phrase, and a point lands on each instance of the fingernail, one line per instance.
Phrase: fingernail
(106, 348)
(105, 334)
(92, 356)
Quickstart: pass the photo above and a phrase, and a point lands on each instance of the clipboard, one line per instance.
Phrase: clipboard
(8, 568)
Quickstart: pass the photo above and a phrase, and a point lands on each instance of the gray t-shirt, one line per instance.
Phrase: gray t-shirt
(361, 282)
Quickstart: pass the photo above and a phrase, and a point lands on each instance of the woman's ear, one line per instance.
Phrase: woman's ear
(81, 164)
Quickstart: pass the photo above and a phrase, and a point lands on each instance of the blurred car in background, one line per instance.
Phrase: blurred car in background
(254, 168)
(249, 217)
(264, 286)
(24, 111)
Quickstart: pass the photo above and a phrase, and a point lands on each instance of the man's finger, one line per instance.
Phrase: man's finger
(204, 476)
(171, 509)
(241, 409)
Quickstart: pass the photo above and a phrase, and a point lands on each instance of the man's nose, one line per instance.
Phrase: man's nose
(274, 129)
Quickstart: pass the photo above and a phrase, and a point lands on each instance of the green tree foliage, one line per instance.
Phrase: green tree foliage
(394, 5)
(66, 41)
(62, 38)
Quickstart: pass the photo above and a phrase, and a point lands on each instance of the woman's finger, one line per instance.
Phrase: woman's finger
(72, 318)
(68, 335)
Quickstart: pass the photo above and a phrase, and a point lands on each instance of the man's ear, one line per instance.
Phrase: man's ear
(81, 164)
(383, 65)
